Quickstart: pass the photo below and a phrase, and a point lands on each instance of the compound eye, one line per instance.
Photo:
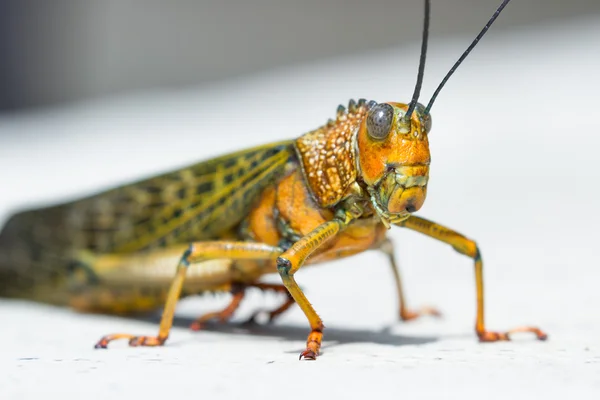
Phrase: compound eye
(426, 123)
(425, 118)
(379, 121)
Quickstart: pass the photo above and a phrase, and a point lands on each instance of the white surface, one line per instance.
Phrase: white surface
(514, 143)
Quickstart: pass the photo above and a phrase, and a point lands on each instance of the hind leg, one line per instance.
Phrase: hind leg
(199, 252)
(122, 283)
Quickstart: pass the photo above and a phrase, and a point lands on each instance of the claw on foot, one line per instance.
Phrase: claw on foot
(313, 345)
(308, 354)
(409, 315)
(487, 336)
(101, 344)
(133, 340)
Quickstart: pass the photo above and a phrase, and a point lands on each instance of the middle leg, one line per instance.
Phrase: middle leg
(469, 248)
(406, 314)
(239, 292)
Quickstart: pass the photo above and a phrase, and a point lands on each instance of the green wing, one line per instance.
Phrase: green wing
(195, 203)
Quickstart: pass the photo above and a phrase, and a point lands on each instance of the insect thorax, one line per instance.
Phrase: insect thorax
(327, 154)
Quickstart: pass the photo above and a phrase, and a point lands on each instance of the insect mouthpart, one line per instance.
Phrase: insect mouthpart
(400, 192)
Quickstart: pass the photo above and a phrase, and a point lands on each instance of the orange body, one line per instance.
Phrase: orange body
(291, 203)
(340, 162)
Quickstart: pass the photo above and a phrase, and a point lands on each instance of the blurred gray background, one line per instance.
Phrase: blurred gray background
(61, 51)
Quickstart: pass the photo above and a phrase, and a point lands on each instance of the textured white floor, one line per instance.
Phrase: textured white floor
(515, 147)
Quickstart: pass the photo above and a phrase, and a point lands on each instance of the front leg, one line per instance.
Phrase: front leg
(469, 248)
(291, 261)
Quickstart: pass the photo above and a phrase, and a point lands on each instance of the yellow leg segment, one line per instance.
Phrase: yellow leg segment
(406, 314)
(196, 253)
(469, 248)
(290, 262)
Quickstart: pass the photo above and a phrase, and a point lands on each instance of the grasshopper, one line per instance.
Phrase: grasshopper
(224, 223)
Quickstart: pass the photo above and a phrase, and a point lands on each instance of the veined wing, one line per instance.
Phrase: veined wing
(194, 203)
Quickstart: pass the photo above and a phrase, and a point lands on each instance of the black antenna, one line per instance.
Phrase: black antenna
(464, 55)
(415, 98)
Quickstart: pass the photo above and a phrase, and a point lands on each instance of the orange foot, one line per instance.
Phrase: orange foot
(313, 345)
(308, 354)
(133, 340)
(487, 336)
(409, 315)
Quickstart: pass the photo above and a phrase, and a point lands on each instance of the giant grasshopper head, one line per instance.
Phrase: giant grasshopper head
(393, 147)
(393, 159)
